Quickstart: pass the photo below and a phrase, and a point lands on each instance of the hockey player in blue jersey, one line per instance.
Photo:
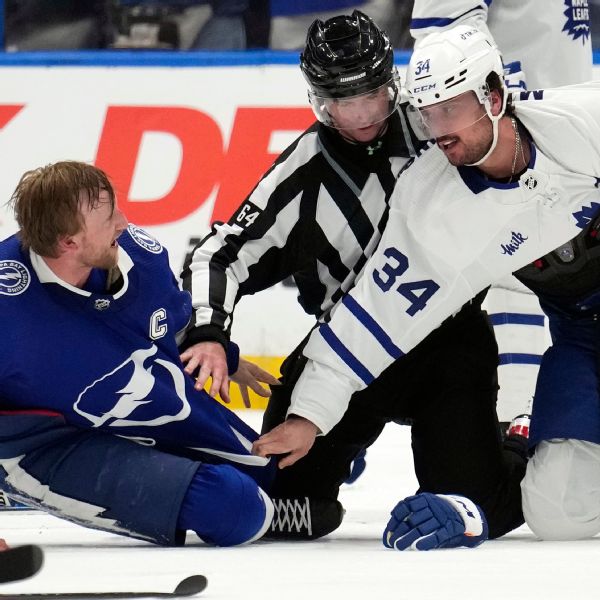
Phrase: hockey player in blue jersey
(100, 425)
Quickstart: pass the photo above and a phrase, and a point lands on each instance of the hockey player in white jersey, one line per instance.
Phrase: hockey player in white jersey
(503, 185)
(544, 43)
(550, 38)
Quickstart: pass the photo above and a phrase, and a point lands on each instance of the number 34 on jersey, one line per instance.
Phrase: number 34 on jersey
(395, 277)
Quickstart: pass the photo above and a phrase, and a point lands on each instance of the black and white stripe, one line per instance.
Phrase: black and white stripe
(316, 215)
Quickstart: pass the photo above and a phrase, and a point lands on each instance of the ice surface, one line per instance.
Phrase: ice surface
(350, 564)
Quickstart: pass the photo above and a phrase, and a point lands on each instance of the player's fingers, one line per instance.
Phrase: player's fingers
(291, 458)
(269, 446)
(192, 362)
(406, 541)
(224, 390)
(245, 396)
(259, 389)
(259, 448)
(203, 376)
(266, 377)
(431, 541)
(400, 513)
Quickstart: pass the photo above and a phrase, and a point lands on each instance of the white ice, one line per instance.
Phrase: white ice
(350, 564)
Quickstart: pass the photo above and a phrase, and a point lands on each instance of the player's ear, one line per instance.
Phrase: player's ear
(67, 243)
(495, 102)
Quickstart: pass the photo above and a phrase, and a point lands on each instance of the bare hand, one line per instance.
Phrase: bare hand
(296, 436)
(210, 357)
(249, 375)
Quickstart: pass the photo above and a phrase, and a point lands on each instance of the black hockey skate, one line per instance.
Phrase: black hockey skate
(304, 518)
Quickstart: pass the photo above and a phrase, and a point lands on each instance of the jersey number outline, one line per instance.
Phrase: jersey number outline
(422, 65)
(246, 215)
(418, 293)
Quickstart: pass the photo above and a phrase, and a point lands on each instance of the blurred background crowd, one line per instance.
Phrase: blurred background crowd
(194, 24)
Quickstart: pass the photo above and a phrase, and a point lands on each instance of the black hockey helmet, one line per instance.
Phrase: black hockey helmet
(346, 56)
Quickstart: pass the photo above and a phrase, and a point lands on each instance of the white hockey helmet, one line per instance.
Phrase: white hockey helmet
(445, 66)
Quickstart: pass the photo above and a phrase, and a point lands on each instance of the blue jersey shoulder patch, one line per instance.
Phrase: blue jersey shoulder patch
(144, 239)
(14, 277)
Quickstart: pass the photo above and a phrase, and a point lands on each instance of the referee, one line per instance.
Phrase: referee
(317, 215)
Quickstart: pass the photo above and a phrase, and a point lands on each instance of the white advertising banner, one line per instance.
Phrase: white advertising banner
(183, 145)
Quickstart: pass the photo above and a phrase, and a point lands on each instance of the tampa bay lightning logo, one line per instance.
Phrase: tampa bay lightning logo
(578, 19)
(141, 391)
(14, 277)
(586, 214)
(144, 239)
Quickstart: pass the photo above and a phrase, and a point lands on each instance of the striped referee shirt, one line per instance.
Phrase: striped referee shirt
(317, 215)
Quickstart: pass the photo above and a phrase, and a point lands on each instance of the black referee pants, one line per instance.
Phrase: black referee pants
(446, 389)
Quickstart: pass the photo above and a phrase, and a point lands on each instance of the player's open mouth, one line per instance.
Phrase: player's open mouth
(447, 143)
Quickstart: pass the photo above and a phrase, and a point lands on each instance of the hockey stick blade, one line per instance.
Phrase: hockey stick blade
(187, 587)
(20, 563)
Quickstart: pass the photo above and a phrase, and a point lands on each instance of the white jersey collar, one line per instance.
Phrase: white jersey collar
(46, 274)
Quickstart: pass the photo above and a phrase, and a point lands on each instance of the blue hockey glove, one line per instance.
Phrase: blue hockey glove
(427, 521)
(514, 78)
(358, 466)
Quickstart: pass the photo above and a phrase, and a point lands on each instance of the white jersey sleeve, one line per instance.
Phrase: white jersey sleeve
(378, 322)
(551, 38)
(430, 16)
(450, 234)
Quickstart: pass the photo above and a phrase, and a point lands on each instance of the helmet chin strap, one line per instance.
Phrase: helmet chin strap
(495, 120)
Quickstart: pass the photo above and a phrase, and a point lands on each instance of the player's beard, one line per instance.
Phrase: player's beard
(107, 259)
(473, 151)
(110, 259)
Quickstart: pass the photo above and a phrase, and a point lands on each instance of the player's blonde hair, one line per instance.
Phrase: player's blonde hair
(47, 202)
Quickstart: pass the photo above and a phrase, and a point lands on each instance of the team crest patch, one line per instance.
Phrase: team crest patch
(586, 214)
(144, 239)
(14, 278)
(578, 19)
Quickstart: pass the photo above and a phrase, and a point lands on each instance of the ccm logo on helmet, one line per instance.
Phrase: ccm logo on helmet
(424, 88)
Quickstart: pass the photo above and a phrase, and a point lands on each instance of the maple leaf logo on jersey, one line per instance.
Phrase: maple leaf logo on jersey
(578, 19)
(586, 214)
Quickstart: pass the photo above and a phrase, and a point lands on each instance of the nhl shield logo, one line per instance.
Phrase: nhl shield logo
(101, 303)
(14, 277)
(530, 182)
